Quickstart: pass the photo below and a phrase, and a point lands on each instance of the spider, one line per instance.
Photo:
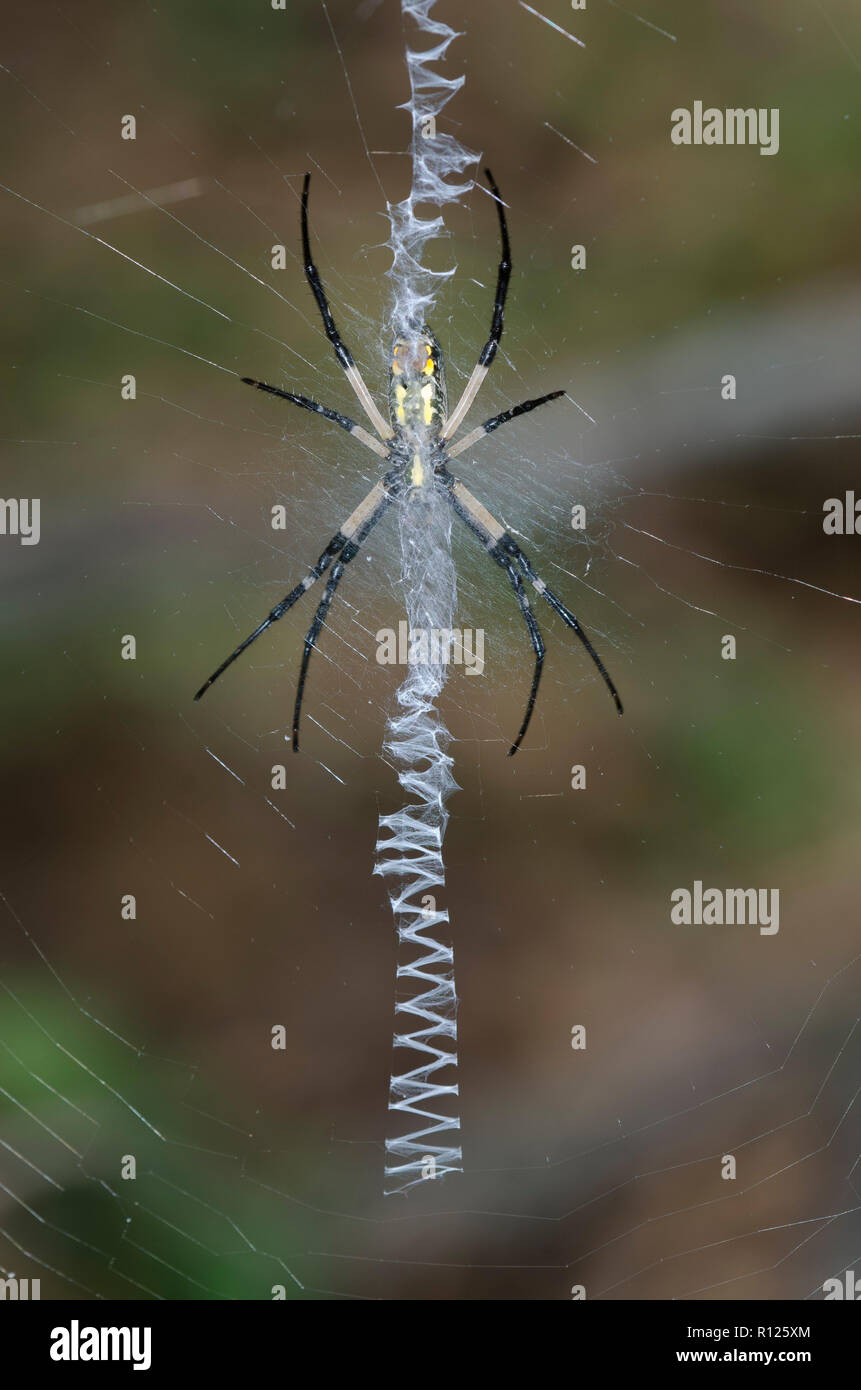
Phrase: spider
(417, 446)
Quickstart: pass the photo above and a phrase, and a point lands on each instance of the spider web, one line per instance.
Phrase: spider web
(259, 1168)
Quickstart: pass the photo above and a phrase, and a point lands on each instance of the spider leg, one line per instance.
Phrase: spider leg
(311, 641)
(499, 542)
(488, 352)
(537, 646)
(342, 352)
(358, 431)
(497, 553)
(363, 518)
(567, 617)
(496, 420)
(350, 551)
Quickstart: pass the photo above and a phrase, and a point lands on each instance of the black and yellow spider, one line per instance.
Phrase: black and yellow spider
(416, 445)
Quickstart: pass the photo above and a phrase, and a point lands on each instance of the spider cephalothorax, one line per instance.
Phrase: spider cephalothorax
(416, 444)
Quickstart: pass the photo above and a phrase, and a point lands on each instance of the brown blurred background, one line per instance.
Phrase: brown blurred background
(151, 1037)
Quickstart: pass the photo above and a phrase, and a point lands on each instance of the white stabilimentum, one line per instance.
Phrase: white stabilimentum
(409, 853)
(410, 845)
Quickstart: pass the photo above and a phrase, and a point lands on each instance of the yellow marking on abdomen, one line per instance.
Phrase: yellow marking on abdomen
(418, 473)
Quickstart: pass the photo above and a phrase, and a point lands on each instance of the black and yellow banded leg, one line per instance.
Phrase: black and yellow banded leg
(354, 530)
(478, 525)
(534, 635)
(495, 421)
(314, 632)
(356, 430)
(373, 512)
(565, 614)
(499, 542)
(342, 352)
(488, 352)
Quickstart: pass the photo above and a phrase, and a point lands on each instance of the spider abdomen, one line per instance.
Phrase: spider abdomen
(417, 396)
